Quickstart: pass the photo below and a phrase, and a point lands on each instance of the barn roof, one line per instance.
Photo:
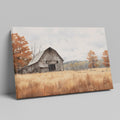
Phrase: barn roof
(36, 58)
(39, 55)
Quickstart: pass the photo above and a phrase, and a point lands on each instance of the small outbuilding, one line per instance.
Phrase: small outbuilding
(48, 60)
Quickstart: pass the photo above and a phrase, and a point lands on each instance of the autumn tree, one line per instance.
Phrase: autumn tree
(105, 58)
(21, 52)
(92, 59)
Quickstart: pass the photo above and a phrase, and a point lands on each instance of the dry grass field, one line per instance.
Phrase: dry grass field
(63, 82)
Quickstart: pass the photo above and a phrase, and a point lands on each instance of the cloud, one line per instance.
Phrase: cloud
(71, 43)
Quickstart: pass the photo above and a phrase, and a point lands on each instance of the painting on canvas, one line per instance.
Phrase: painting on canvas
(55, 61)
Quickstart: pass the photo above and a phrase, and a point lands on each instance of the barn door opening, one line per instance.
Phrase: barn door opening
(52, 67)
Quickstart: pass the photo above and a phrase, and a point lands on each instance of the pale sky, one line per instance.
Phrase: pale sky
(71, 43)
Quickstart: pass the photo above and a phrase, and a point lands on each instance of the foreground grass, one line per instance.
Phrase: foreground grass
(64, 82)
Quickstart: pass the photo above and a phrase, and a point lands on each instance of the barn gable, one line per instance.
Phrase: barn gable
(51, 49)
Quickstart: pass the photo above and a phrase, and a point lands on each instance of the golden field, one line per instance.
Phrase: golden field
(62, 82)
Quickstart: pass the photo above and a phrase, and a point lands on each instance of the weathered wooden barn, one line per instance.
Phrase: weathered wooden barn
(48, 60)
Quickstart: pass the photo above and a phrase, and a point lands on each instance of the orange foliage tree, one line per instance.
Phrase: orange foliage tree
(92, 59)
(21, 52)
(106, 59)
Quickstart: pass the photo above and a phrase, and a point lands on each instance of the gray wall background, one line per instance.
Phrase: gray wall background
(57, 13)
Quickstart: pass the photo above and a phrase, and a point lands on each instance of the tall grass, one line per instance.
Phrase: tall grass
(64, 82)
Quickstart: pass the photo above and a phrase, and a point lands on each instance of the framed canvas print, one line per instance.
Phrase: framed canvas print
(55, 61)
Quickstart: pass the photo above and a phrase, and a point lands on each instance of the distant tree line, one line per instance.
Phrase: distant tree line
(92, 62)
(92, 58)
